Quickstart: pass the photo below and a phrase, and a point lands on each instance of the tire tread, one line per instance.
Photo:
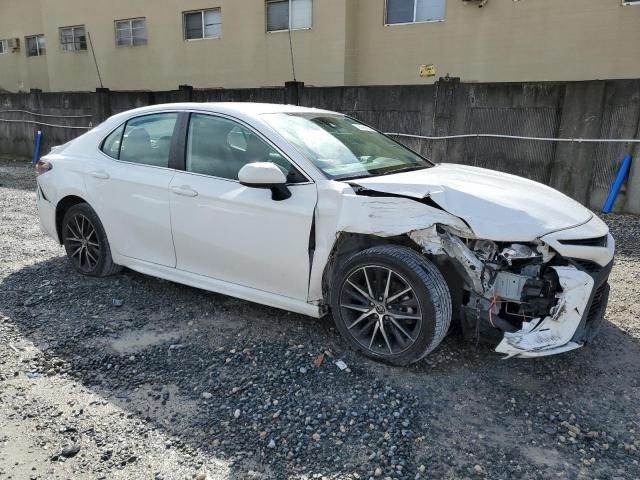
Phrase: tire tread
(430, 277)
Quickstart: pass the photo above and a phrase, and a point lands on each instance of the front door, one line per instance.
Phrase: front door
(234, 233)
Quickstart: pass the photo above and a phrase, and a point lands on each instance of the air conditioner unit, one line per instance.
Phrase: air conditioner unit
(14, 44)
(630, 2)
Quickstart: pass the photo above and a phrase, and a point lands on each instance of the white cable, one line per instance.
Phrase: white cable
(45, 115)
(447, 137)
(45, 124)
(515, 137)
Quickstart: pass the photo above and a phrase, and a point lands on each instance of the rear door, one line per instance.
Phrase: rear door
(129, 188)
(224, 230)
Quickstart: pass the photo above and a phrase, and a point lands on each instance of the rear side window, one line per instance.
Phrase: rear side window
(144, 140)
(111, 145)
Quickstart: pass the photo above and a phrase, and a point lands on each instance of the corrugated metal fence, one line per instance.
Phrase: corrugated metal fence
(599, 109)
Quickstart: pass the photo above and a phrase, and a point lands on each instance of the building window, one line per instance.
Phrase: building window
(73, 39)
(289, 14)
(414, 11)
(131, 32)
(3, 47)
(203, 24)
(35, 46)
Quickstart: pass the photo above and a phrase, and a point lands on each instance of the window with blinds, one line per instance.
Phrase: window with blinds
(289, 14)
(131, 32)
(203, 24)
(414, 11)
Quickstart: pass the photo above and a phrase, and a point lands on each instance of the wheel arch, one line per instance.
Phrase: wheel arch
(348, 243)
(61, 209)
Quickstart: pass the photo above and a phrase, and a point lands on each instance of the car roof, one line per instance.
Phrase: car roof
(241, 109)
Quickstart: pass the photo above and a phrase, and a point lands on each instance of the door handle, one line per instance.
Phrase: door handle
(185, 191)
(100, 174)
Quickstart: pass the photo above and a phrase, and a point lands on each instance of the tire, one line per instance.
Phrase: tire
(85, 242)
(409, 326)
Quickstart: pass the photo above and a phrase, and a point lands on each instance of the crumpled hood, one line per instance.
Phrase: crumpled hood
(496, 205)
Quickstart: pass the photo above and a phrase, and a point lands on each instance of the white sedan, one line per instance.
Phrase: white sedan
(315, 212)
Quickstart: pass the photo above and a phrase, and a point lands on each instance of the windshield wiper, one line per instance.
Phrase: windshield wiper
(367, 175)
(354, 177)
(404, 169)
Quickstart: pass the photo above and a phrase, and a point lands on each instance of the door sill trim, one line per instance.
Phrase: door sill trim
(220, 286)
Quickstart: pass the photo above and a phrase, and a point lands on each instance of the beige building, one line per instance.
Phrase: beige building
(160, 44)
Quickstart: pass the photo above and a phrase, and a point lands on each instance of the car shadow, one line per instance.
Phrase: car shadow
(153, 348)
(184, 360)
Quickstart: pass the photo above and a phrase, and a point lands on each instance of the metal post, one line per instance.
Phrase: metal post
(95, 61)
(36, 150)
(617, 184)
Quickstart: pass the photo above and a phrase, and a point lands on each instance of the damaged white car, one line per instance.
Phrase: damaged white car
(314, 212)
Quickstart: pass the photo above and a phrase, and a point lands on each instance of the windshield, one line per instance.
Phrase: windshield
(344, 148)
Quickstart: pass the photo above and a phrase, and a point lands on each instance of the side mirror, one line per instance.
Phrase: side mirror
(265, 175)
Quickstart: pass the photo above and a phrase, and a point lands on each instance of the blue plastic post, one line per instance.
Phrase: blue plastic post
(617, 184)
(36, 150)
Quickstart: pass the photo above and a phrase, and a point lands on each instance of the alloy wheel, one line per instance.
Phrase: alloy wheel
(380, 309)
(82, 239)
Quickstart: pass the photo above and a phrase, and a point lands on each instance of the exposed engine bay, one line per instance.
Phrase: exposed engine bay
(515, 290)
(511, 284)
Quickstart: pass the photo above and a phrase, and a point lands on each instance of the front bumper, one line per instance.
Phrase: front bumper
(591, 322)
(576, 319)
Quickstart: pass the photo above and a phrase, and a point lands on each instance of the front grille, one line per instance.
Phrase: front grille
(586, 242)
(587, 265)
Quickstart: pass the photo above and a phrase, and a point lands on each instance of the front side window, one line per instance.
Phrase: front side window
(3, 47)
(73, 39)
(289, 14)
(131, 32)
(35, 46)
(144, 140)
(220, 148)
(414, 11)
(203, 24)
(342, 147)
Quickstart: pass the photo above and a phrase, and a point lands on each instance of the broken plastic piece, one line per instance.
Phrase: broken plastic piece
(553, 334)
(428, 239)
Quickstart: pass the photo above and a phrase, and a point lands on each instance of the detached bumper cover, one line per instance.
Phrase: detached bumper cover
(575, 320)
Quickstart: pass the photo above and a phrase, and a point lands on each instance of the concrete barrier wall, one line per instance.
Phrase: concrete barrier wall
(18, 138)
(594, 109)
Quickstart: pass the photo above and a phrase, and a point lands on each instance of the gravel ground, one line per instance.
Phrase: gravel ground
(135, 377)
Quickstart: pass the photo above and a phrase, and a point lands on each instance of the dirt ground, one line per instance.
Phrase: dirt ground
(134, 377)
